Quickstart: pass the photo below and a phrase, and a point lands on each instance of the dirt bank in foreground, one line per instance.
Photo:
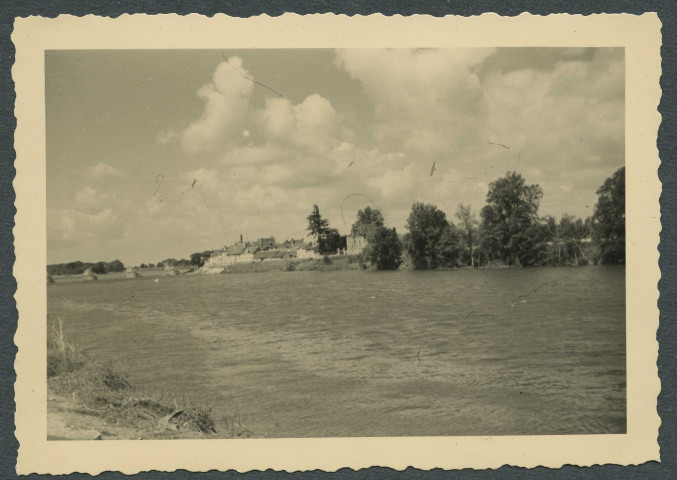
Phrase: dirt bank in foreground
(67, 421)
(79, 414)
(88, 399)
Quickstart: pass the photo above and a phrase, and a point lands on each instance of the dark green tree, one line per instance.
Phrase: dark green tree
(115, 266)
(449, 247)
(384, 249)
(426, 223)
(76, 267)
(99, 268)
(367, 221)
(332, 241)
(530, 246)
(199, 258)
(317, 227)
(511, 209)
(608, 221)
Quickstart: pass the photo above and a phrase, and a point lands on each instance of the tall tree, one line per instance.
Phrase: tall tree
(367, 221)
(384, 249)
(608, 221)
(317, 227)
(468, 231)
(425, 224)
(511, 209)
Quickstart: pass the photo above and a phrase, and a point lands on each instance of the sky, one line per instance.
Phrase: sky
(155, 154)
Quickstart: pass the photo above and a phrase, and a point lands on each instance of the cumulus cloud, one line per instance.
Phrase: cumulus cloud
(226, 99)
(426, 100)
(566, 118)
(93, 221)
(88, 200)
(77, 229)
(102, 170)
(392, 183)
(312, 124)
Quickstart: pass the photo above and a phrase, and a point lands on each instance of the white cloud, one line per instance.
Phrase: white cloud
(88, 200)
(102, 170)
(312, 124)
(569, 118)
(426, 100)
(79, 229)
(394, 183)
(95, 221)
(226, 101)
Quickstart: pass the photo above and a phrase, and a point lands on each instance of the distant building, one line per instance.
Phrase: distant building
(262, 255)
(266, 243)
(247, 256)
(230, 255)
(307, 252)
(293, 243)
(355, 244)
(285, 254)
(273, 255)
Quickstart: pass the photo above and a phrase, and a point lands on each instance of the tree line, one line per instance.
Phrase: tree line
(508, 231)
(78, 268)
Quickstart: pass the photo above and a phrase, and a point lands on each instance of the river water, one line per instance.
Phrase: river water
(353, 353)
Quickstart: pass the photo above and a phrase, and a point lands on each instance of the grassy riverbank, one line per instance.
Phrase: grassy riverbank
(92, 399)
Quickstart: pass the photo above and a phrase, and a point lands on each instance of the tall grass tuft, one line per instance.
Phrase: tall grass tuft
(62, 356)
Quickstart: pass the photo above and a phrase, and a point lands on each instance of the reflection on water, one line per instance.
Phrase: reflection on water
(349, 353)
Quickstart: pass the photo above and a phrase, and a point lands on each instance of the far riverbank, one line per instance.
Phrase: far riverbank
(325, 264)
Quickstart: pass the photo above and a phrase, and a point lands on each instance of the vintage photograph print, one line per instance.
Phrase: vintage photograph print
(335, 243)
(325, 242)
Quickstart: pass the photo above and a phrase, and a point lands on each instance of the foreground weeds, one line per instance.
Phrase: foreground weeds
(102, 389)
(62, 356)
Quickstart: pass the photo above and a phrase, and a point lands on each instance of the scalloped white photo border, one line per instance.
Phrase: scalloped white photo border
(641, 38)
